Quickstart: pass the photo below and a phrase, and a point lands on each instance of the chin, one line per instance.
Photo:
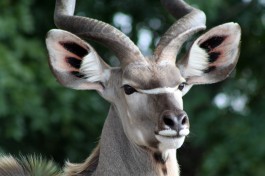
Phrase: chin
(167, 143)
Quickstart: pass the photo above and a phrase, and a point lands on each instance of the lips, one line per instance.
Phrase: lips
(173, 133)
(171, 138)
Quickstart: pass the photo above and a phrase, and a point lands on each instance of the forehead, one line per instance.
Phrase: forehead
(151, 75)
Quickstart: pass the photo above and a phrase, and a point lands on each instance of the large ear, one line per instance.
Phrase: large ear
(213, 56)
(75, 63)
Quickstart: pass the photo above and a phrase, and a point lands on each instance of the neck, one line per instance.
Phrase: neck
(120, 156)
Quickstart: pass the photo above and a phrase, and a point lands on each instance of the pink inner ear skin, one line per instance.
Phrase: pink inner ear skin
(213, 47)
(75, 48)
(213, 56)
(77, 74)
(212, 42)
(74, 62)
(210, 69)
(70, 56)
(220, 50)
(74, 65)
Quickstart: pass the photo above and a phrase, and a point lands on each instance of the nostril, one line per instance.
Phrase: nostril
(168, 121)
(184, 120)
(173, 120)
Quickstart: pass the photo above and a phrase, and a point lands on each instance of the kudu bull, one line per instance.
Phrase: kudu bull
(146, 122)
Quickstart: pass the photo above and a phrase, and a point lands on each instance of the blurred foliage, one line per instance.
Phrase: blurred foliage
(37, 115)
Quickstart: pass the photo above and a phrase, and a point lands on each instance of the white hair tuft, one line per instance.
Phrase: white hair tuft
(91, 68)
(198, 61)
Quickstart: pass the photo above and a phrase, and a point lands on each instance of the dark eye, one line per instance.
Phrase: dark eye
(181, 86)
(128, 89)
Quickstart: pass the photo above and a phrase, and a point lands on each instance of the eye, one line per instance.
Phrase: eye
(128, 89)
(182, 85)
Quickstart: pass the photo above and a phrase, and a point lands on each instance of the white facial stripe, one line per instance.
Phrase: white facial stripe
(158, 90)
(178, 97)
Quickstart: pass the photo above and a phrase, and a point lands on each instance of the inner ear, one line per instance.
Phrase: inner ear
(74, 62)
(75, 57)
(75, 48)
(212, 42)
(213, 56)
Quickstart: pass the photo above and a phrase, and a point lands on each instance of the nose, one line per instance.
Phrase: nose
(174, 120)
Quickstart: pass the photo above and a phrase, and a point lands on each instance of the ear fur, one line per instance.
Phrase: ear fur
(74, 62)
(213, 56)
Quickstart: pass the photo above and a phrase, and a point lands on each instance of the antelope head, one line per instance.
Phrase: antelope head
(145, 91)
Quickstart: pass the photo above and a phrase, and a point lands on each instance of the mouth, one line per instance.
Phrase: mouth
(171, 139)
(173, 133)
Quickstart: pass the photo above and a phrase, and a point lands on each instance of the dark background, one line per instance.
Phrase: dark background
(39, 116)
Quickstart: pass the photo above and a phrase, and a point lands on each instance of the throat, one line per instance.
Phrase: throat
(166, 163)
